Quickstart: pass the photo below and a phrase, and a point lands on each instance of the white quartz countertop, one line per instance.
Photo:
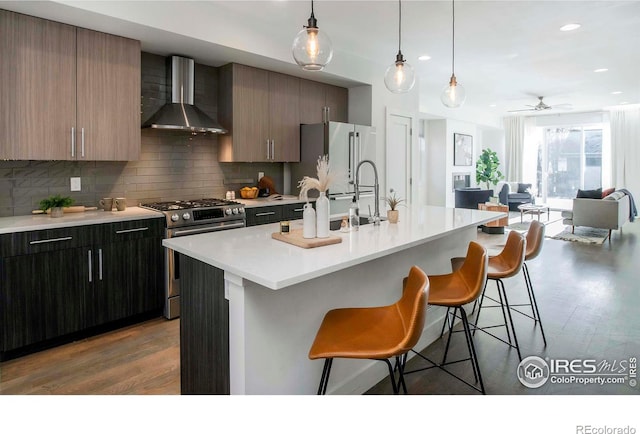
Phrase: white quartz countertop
(252, 254)
(44, 221)
(271, 201)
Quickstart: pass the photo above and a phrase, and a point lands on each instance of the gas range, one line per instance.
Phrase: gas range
(208, 211)
(191, 217)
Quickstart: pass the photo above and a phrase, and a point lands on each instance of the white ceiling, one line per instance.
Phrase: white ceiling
(507, 52)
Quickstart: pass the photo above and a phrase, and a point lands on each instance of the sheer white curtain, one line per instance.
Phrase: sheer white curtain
(514, 129)
(625, 149)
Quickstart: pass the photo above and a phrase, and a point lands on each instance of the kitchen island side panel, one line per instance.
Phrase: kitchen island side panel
(204, 329)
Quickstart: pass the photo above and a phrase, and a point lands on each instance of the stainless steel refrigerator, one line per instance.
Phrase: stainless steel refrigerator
(346, 145)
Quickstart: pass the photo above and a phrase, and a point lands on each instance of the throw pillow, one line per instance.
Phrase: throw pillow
(590, 194)
(608, 191)
(524, 188)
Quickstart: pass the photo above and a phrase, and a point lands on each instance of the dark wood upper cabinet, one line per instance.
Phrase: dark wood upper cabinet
(67, 93)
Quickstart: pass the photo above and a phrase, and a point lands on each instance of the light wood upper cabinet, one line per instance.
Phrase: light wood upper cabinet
(38, 87)
(284, 117)
(63, 87)
(321, 102)
(337, 103)
(260, 110)
(108, 95)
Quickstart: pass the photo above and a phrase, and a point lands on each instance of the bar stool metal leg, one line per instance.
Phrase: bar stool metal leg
(506, 302)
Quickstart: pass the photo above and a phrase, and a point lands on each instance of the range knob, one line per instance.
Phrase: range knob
(241, 210)
(228, 211)
(235, 210)
(175, 217)
(186, 216)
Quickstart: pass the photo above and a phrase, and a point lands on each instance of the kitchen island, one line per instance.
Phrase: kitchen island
(251, 305)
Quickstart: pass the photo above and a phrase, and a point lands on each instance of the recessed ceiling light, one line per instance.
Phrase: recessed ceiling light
(617, 92)
(424, 57)
(600, 70)
(492, 105)
(569, 27)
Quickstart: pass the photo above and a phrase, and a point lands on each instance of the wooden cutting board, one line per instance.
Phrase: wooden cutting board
(68, 209)
(295, 237)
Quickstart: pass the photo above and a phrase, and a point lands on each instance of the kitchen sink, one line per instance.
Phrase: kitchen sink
(334, 225)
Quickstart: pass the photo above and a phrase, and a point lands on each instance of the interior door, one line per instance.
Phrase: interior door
(398, 167)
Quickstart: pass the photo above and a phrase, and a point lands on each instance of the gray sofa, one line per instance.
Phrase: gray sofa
(611, 213)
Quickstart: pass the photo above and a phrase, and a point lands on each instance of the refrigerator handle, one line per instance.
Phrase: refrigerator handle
(352, 157)
(358, 148)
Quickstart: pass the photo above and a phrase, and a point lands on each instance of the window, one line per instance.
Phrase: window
(570, 158)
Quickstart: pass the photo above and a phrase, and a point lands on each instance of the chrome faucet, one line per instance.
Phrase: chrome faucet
(376, 187)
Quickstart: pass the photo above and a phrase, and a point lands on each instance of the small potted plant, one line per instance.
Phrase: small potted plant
(393, 201)
(55, 204)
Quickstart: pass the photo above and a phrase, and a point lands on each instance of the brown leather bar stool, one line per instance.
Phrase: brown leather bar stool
(502, 266)
(377, 333)
(455, 290)
(535, 237)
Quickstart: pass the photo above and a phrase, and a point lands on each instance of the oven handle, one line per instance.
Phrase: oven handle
(177, 233)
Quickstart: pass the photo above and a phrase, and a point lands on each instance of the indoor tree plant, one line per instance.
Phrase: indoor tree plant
(56, 204)
(393, 201)
(487, 168)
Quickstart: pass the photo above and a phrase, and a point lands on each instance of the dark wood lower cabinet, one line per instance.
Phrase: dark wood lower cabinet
(43, 296)
(50, 293)
(126, 280)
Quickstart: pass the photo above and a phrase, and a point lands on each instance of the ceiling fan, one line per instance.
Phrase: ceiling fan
(542, 106)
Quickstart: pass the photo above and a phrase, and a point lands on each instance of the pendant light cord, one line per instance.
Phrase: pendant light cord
(399, 25)
(453, 39)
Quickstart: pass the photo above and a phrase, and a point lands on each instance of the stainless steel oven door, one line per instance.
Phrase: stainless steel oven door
(172, 263)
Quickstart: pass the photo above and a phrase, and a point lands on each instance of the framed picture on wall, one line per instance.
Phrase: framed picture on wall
(462, 150)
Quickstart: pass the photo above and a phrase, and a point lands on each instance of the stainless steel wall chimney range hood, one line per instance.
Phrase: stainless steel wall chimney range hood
(180, 114)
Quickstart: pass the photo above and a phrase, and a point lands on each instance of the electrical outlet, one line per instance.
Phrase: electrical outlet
(76, 184)
(260, 175)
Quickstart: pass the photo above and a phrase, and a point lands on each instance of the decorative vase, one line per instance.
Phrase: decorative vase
(322, 216)
(308, 221)
(392, 216)
(57, 211)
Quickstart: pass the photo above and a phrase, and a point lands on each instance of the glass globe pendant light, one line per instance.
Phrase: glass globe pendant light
(400, 76)
(453, 95)
(312, 48)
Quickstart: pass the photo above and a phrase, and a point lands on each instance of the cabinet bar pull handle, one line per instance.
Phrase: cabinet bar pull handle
(262, 214)
(82, 142)
(273, 150)
(73, 142)
(90, 267)
(100, 264)
(126, 231)
(298, 210)
(50, 240)
(267, 149)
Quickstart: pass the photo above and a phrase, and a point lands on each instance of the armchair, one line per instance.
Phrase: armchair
(513, 194)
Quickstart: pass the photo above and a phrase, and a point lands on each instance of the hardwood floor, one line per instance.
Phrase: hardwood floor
(138, 360)
(588, 297)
